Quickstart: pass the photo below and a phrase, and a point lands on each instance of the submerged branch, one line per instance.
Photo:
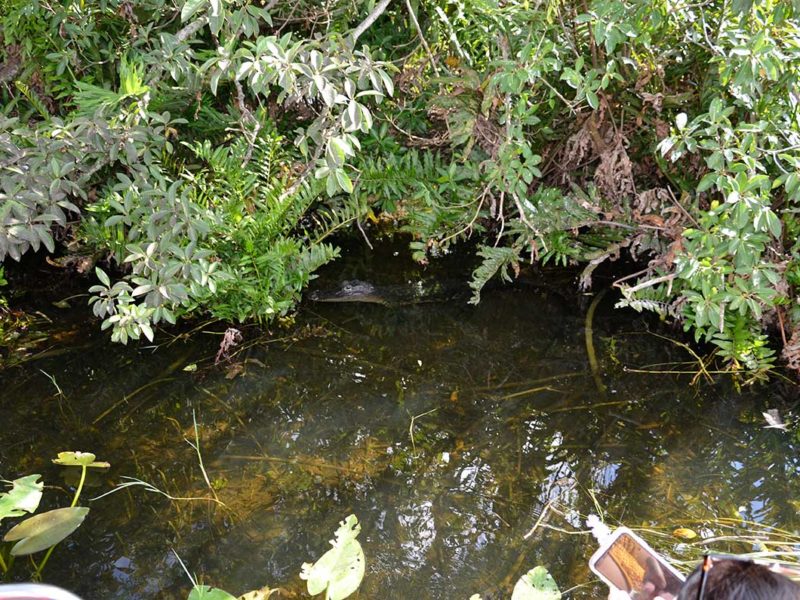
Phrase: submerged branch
(589, 334)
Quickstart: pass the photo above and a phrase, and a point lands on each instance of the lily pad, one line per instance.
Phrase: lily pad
(536, 584)
(204, 592)
(79, 459)
(42, 531)
(340, 570)
(25, 494)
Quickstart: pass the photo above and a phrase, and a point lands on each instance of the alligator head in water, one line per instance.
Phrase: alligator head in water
(355, 290)
(352, 290)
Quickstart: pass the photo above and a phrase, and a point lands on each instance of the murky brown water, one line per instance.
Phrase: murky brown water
(446, 428)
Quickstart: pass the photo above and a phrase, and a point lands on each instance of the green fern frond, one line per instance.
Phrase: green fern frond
(34, 99)
(336, 215)
(495, 261)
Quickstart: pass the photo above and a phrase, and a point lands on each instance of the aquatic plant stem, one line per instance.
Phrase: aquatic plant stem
(3, 565)
(38, 574)
(411, 429)
(196, 447)
(80, 486)
(593, 364)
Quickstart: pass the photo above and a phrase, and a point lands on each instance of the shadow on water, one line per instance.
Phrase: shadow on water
(446, 428)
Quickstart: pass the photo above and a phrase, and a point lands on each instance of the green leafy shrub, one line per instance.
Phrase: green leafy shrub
(561, 132)
(586, 131)
(232, 226)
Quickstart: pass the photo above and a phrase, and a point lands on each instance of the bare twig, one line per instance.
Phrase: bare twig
(364, 233)
(192, 28)
(251, 135)
(469, 225)
(411, 428)
(680, 207)
(700, 361)
(647, 284)
(528, 392)
(538, 521)
(414, 20)
(371, 18)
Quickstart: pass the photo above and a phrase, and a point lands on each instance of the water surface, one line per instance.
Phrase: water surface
(446, 428)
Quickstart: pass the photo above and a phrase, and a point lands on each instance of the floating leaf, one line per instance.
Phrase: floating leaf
(24, 497)
(263, 594)
(773, 419)
(203, 592)
(536, 584)
(341, 569)
(684, 533)
(79, 459)
(45, 530)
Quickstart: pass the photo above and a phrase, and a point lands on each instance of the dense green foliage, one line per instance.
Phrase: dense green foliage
(211, 147)
(197, 200)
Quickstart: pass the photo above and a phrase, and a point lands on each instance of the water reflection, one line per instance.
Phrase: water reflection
(448, 430)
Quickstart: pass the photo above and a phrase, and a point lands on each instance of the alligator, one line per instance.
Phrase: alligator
(426, 291)
(419, 292)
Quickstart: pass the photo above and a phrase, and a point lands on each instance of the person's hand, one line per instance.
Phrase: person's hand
(649, 592)
(655, 583)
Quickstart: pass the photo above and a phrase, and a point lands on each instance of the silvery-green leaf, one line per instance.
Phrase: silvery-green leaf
(25, 494)
(190, 7)
(45, 530)
(536, 584)
(204, 592)
(340, 570)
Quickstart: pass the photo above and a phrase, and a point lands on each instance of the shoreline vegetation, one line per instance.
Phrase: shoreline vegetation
(195, 158)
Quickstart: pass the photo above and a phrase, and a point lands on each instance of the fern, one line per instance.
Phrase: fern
(494, 261)
(336, 215)
(650, 299)
(741, 341)
(34, 99)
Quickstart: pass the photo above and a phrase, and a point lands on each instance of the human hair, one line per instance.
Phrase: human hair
(730, 579)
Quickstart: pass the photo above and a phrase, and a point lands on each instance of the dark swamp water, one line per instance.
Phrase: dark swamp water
(446, 428)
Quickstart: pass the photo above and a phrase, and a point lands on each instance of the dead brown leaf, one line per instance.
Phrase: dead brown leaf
(791, 351)
(614, 174)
